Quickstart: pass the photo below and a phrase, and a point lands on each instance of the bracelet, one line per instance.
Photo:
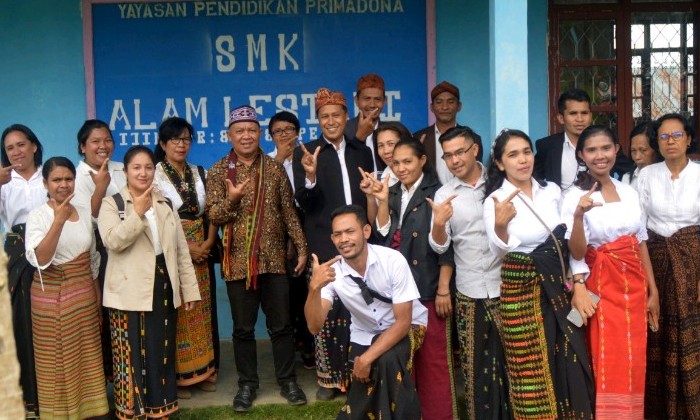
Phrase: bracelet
(442, 294)
(580, 280)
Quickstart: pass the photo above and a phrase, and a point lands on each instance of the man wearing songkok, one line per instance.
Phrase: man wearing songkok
(370, 99)
(458, 220)
(388, 321)
(326, 176)
(250, 197)
(444, 104)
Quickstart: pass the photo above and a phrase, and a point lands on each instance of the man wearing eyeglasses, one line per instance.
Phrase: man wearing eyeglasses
(250, 197)
(444, 104)
(458, 221)
(555, 160)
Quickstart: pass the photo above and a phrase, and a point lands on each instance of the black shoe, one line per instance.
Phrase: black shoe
(293, 394)
(243, 401)
(309, 361)
(326, 394)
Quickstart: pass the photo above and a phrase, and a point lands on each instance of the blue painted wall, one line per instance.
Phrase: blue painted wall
(42, 82)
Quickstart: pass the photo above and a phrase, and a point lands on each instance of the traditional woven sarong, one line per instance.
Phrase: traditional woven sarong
(67, 348)
(144, 354)
(433, 368)
(19, 275)
(548, 365)
(194, 360)
(332, 344)
(391, 392)
(617, 333)
(482, 358)
(673, 353)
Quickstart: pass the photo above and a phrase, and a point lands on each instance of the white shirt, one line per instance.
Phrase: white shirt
(406, 195)
(19, 197)
(393, 179)
(343, 169)
(76, 238)
(525, 231)
(569, 165)
(166, 187)
(287, 166)
(478, 269)
(443, 172)
(604, 224)
(153, 225)
(388, 274)
(631, 180)
(85, 187)
(669, 204)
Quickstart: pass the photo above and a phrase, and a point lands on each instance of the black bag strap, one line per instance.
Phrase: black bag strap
(367, 293)
(119, 201)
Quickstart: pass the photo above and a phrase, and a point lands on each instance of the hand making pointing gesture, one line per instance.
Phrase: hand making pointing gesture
(309, 161)
(442, 212)
(505, 210)
(322, 274)
(236, 192)
(586, 202)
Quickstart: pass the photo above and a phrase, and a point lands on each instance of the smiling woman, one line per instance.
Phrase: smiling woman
(21, 191)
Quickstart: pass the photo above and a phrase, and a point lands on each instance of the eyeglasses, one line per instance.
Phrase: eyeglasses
(180, 140)
(677, 136)
(458, 153)
(285, 130)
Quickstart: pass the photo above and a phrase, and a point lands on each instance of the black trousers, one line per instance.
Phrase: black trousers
(273, 294)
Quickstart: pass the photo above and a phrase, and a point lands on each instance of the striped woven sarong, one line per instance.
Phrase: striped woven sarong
(549, 368)
(67, 349)
(673, 353)
(194, 357)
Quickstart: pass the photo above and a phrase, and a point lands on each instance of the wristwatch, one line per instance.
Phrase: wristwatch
(580, 280)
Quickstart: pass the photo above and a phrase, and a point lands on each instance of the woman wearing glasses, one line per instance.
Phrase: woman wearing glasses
(670, 195)
(183, 183)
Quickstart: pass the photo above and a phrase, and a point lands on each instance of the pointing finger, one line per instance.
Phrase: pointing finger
(593, 188)
(317, 151)
(332, 260)
(314, 260)
(229, 184)
(450, 198)
(512, 195)
(104, 165)
(148, 191)
(431, 203)
(304, 150)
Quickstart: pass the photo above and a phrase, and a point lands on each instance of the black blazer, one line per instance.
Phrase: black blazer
(428, 142)
(319, 202)
(351, 132)
(415, 228)
(548, 159)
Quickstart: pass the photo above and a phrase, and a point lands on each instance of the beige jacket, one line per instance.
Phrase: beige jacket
(131, 258)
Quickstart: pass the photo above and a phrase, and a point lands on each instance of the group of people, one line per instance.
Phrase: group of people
(388, 260)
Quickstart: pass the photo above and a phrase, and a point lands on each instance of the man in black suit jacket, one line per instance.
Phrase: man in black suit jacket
(326, 177)
(370, 98)
(555, 160)
(444, 104)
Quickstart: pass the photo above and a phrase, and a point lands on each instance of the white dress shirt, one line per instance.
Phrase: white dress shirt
(85, 187)
(478, 269)
(443, 172)
(153, 225)
(76, 238)
(166, 187)
(569, 165)
(406, 195)
(631, 180)
(287, 166)
(525, 231)
(669, 204)
(393, 179)
(343, 169)
(604, 224)
(388, 274)
(19, 197)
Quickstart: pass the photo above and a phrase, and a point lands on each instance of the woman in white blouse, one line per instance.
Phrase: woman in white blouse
(607, 239)
(21, 191)
(548, 365)
(641, 152)
(65, 301)
(387, 136)
(670, 195)
(183, 184)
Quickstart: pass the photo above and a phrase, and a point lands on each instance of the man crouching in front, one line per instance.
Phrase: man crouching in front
(387, 319)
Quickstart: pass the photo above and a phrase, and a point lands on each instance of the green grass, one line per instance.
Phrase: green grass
(316, 411)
